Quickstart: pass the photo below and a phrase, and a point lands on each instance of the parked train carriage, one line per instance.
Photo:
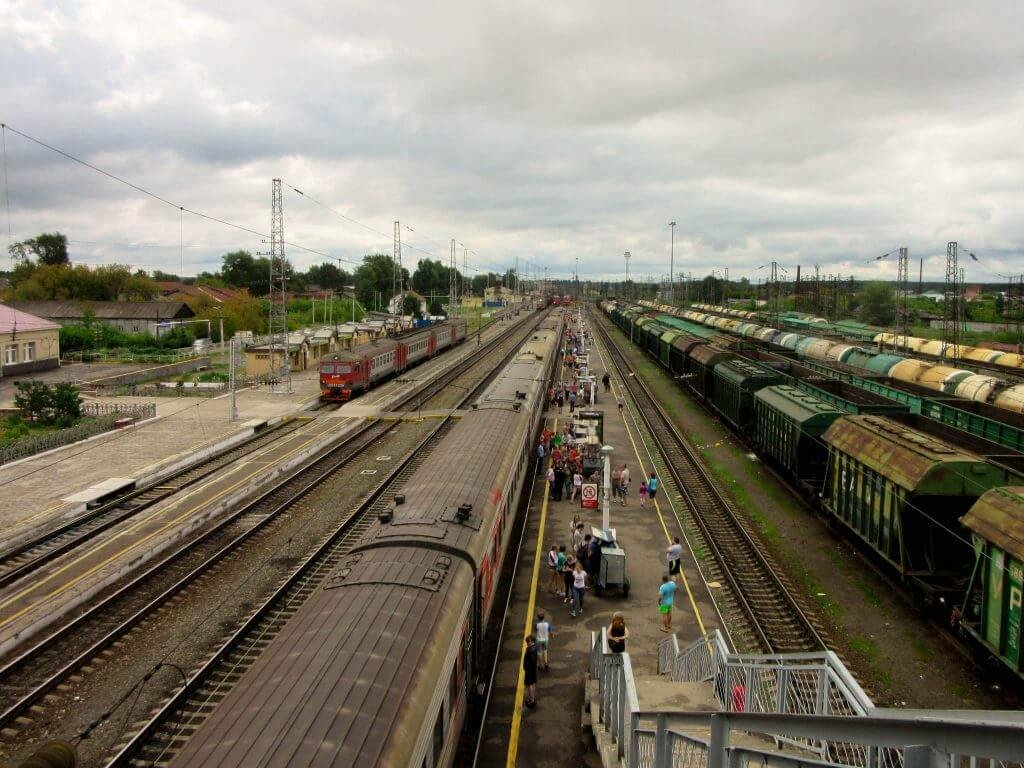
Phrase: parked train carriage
(1011, 399)
(991, 612)
(902, 492)
(375, 668)
(735, 383)
(882, 364)
(679, 356)
(703, 360)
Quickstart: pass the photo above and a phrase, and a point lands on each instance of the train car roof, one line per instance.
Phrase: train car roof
(912, 459)
(998, 516)
(802, 407)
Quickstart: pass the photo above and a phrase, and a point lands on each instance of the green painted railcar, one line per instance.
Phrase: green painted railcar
(687, 326)
(992, 609)
(903, 492)
(703, 360)
(882, 364)
(735, 383)
(788, 426)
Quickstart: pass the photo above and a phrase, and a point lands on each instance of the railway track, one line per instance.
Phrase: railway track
(159, 738)
(26, 557)
(777, 620)
(27, 679)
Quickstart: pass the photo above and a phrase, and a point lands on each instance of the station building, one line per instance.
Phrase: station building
(27, 343)
(129, 316)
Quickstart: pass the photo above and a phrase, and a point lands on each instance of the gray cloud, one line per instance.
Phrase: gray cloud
(797, 131)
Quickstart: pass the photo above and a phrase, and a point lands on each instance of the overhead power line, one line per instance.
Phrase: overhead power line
(159, 198)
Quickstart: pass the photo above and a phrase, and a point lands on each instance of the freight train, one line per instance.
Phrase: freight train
(932, 348)
(944, 380)
(343, 375)
(377, 666)
(941, 509)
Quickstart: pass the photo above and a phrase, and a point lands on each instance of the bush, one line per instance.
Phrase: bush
(58, 404)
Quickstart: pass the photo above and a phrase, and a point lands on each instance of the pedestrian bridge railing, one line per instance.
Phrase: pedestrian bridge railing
(774, 720)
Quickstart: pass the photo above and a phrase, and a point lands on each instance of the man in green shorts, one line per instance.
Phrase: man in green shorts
(666, 598)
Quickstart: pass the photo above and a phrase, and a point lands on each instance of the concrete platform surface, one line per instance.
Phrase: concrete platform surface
(550, 735)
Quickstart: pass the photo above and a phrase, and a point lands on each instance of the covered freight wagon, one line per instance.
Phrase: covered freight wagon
(736, 381)
(992, 610)
(902, 492)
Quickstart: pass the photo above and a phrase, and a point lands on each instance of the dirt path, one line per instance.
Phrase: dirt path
(899, 658)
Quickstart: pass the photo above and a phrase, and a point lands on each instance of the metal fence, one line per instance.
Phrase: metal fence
(33, 444)
(137, 411)
(777, 722)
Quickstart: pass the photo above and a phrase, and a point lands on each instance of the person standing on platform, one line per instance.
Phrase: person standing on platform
(607, 381)
(624, 484)
(559, 482)
(617, 633)
(652, 486)
(579, 584)
(567, 574)
(551, 482)
(544, 631)
(540, 454)
(577, 484)
(642, 493)
(530, 671)
(674, 555)
(666, 599)
(577, 538)
(553, 568)
(616, 482)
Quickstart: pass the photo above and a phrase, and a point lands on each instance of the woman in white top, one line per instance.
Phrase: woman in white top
(579, 584)
(577, 485)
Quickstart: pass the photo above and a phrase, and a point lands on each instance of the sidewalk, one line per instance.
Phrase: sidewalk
(544, 736)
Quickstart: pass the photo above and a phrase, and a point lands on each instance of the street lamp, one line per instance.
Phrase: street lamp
(606, 523)
(672, 264)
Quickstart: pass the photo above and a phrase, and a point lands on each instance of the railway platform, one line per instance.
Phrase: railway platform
(55, 486)
(552, 734)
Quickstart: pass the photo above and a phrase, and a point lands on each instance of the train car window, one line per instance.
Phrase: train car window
(439, 735)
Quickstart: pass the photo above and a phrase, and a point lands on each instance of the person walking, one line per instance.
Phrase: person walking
(642, 493)
(530, 671)
(674, 555)
(559, 482)
(652, 486)
(553, 569)
(607, 381)
(666, 599)
(616, 482)
(622, 404)
(560, 570)
(574, 524)
(579, 584)
(551, 482)
(617, 633)
(624, 483)
(577, 538)
(572, 402)
(540, 454)
(544, 630)
(577, 484)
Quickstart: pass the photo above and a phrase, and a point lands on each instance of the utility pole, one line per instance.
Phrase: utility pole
(397, 283)
(951, 301)
(672, 264)
(277, 325)
(627, 256)
(902, 302)
(452, 282)
(465, 268)
(817, 288)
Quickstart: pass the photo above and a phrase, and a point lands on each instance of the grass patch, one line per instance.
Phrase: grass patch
(865, 646)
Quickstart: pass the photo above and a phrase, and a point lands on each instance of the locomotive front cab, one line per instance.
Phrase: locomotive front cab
(340, 380)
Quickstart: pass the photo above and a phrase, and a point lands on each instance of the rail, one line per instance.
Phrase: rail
(787, 739)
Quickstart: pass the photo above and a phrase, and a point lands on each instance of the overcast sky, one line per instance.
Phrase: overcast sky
(806, 132)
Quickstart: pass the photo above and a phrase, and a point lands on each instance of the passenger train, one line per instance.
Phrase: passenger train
(343, 375)
(376, 667)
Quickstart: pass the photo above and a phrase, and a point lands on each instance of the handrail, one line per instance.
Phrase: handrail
(885, 739)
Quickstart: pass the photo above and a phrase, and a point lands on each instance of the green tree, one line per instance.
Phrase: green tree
(877, 302)
(48, 248)
(374, 275)
(328, 275)
(66, 404)
(410, 305)
(240, 270)
(33, 399)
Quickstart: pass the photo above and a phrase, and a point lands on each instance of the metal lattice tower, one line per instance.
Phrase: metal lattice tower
(277, 323)
(902, 300)
(951, 301)
(397, 283)
(453, 282)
